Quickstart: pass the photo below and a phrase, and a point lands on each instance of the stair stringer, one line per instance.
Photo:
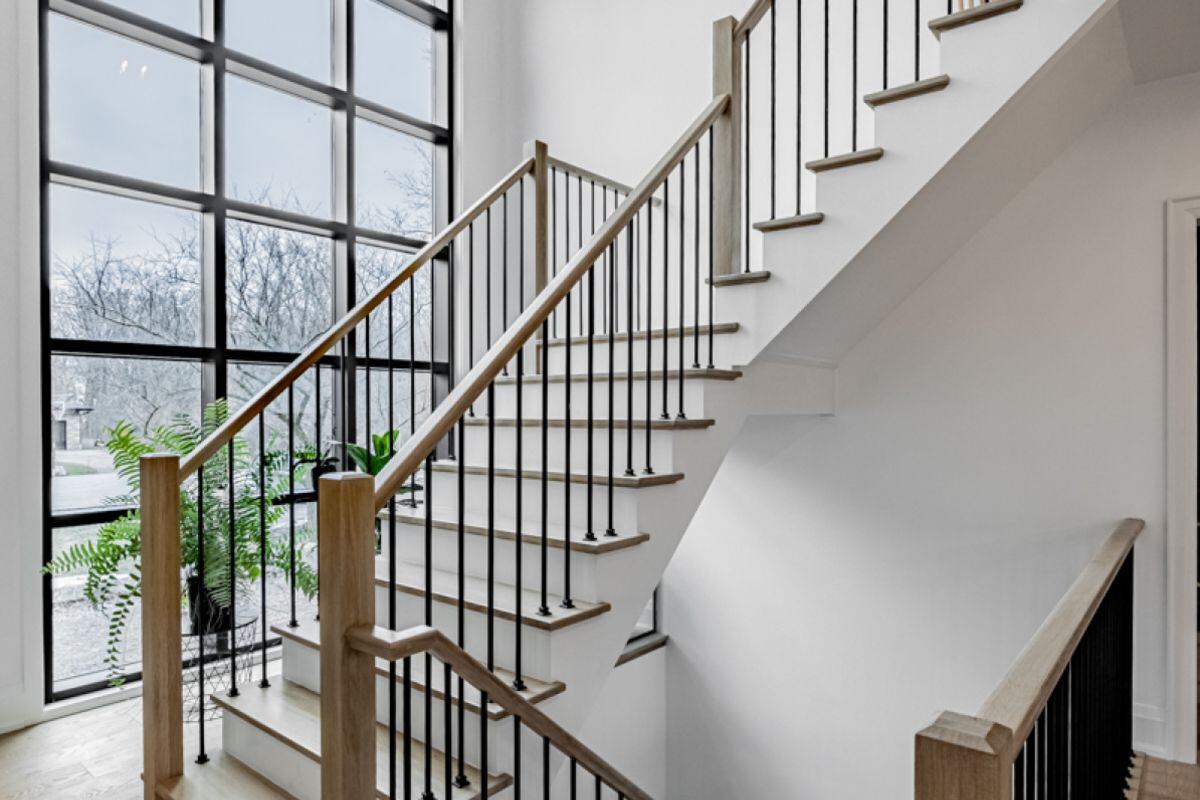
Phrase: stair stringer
(1023, 85)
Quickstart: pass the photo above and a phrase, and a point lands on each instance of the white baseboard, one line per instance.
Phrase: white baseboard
(1150, 730)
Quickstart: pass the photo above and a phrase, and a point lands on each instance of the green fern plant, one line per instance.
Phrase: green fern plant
(112, 560)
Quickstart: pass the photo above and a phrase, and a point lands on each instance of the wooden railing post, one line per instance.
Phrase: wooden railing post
(964, 758)
(347, 569)
(727, 150)
(539, 152)
(162, 664)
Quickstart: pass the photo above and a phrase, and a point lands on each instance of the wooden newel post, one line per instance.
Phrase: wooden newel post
(347, 568)
(162, 663)
(539, 152)
(727, 150)
(964, 758)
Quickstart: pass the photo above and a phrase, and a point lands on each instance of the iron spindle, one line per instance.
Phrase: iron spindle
(291, 411)
(746, 163)
(412, 379)
(516, 757)
(886, 22)
(428, 694)
(518, 683)
(544, 608)
(774, 76)
(682, 267)
(232, 640)
(711, 254)
(611, 261)
(590, 531)
(695, 262)
(553, 241)
(448, 732)
(574, 768)
(483, 745)
(471, 303)
(568, 389)
(545, 768)
(826, 75)
(504, 271)
(916, 40)
(579, 238)
(854, 77)
(202, 755)
(407, 688)
(461, 779)
(262, 542)
(629, 357)
(666, 257)
(491, 526)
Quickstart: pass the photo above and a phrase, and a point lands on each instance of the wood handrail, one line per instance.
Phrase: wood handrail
(752, 18)
(1022, 694)
(315, 351)
(414, 451)
(396, 645)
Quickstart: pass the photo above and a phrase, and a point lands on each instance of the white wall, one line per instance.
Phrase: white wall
(20, 469)
(628, 723)
(890, 563)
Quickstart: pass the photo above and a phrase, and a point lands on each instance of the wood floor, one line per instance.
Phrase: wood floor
(1155, 779)
(96, 755)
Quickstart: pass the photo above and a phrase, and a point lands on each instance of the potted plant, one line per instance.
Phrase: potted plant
(112, 559)
(372, 460)
(320, 463)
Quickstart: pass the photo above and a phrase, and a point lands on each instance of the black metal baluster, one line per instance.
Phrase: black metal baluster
(391, 562)
(854, 77)
(201, 570)
(774, 75)
(553, 242)
(579, 238)
(612, 360)
(428, 694)
(461, 779)
(233, 678)
(746, 162)
(695, 262)
(516, 757)
(504, 271)
(799, 101)
(568, 390)
(711, 253)
(483, 745)
(412, 382)
(590, 532)
(407, 726)
(682, 267)
(629, 356)
(826, 104)
(487, 280)
(491, 526)
(291, 410)
(448, 731)
(319, 453)
(519, 540)
(544, 608)
(574, 770)
(916, 40)
(545, 768)
(886, 23)
(470, 303)
(666, 259)
(263, 683)
(599, 787)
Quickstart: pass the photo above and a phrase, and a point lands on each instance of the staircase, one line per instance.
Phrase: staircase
(605, 344)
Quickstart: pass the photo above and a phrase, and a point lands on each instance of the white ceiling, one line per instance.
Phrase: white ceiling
(1163, 37)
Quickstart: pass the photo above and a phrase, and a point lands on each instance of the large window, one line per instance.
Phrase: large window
(221, 180)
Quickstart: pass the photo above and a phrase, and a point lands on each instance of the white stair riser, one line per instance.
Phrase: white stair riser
(661, 449)
(302, 666)
(557, 356)
(410, 547)
(506, 399)
(283, 766)
(625, 510)
(537, 644)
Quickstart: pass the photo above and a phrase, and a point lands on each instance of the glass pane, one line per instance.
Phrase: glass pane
(182, 14)
(81, 629)
(394, 172)
(123, 270)
(89, 396)
(280, 149)
(279, 287)
(294, 34)
(393, 59)
(123, 107)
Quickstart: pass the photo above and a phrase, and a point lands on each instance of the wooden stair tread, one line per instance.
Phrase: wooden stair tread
(845, 160)
(657, 333)
(222, 776)
(787, 223)
(703, 373)
(410, 579)
(554, 538)
(292, 714)
(740, 279)
(976, 14)
(598, 480)
(915, 89)
(599, 424)
(308, 634)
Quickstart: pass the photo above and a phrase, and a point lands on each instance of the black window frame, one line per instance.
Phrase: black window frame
(216, 62)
